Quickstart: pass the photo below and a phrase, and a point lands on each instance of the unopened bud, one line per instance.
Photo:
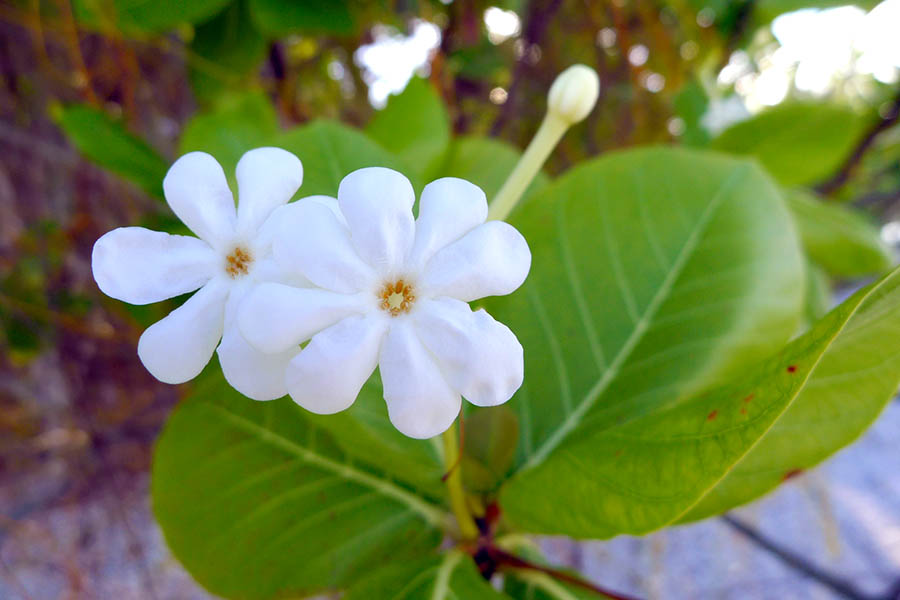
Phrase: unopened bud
(574, 93)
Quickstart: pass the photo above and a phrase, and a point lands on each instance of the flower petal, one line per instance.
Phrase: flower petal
(491, 260)
(480, 357)
(276, 317)
(313, 241)
(266, 178)
(141, 266)
(196, 189)
(255, 374)
(377, 204)
(448, 209)
(327, 375)
(421, 404)
(177, 348)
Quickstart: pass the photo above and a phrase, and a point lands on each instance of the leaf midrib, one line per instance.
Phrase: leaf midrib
(574, 418)
(434, 515)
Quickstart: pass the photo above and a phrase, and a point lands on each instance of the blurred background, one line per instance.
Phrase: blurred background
(97, 98)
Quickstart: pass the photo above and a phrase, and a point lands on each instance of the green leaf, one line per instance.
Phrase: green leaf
(490, 439)
(330, 151)
(107, 143)
(818, 292)
(642, 475)
(414, 126)
(257, 503)
(278, 18)
(654, 272)
(229, 49)
(839, 238)
(151, 16)
(799, 143)
(452, 576)
(855, 375)
(766, 10)
(236, 124)
(487, 163)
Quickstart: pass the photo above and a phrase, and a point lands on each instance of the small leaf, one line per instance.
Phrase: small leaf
(789, 412)
(278, 18)
(151, 16)
(236, 124)
(489, 441)
(229, 48)
(414, 126)
(799, 143)
(839, 238)
(257, 503)
(452, 576)
(107, 143)
(766, 10)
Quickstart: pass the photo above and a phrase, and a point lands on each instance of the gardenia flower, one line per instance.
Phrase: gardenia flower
(392, 292)
(232, 254)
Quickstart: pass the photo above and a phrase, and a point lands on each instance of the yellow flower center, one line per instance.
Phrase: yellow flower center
(397, 297)
(238, 262)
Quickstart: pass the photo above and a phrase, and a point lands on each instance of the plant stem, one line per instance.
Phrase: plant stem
(548, 134)
(467, 528)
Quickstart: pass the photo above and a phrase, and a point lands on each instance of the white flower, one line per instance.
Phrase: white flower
(392, 292)
(232, 254)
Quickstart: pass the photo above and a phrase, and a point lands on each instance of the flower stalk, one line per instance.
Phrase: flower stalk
(467, 528)
(572, 96)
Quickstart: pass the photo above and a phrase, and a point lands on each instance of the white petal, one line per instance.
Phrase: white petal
(196, 189)
(253, 373)
(491, 260)
(421, 404)
(448, 209)
(266, 233)
(377, 204)
(327, 375)
(141, 266)
(267, 178)
(276, 317)
(314, 242)
(481, 358)
(177, 348)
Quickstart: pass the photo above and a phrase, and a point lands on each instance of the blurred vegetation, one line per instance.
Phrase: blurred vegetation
(100, 96)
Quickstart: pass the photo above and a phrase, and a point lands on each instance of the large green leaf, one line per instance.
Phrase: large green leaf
(850, 384)
(798, 143)
(227, 49)
(644, 474)
(144, 15)
(107, 143)
(452, 576)
(414, 126)
(257, 503)
(839, 238)
(654, 271)
(237, 123)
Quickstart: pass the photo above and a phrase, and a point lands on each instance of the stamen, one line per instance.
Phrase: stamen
(397, 297)
(238, 262)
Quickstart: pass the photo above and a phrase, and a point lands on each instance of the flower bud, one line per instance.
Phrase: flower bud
(574, 93)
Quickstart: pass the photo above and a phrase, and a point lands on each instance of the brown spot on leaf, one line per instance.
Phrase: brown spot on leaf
(791, 474)
(748, 398)
(743, 410)
(711, 416)
(792, 369)
(618, 453)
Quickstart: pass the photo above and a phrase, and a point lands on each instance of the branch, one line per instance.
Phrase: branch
(504, 559)
(832, 582)
(843, 174)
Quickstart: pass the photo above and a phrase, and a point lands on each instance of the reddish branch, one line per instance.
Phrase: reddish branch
(843, 174)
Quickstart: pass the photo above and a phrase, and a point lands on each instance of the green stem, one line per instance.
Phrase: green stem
(467, 528)
(548, 135)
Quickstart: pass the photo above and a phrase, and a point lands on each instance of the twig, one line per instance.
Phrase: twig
(843, 174)
(832, 582)
(504, 559)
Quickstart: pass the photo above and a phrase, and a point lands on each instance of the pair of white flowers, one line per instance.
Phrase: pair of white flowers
(358, 277)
